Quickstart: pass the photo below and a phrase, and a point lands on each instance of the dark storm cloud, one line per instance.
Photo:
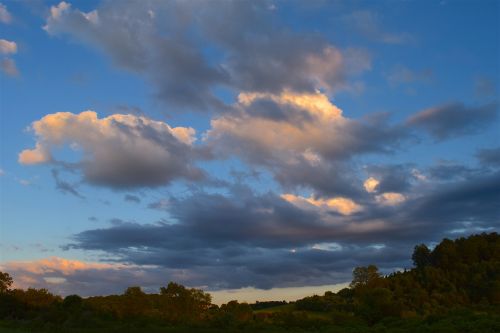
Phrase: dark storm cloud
(186, 49)
(391, 178)
(446, 170)
(327, 179)
(455, 119)
(264, 241)
(489, 157)
(473, 200)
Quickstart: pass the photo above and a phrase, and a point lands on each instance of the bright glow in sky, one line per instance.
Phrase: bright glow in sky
(254, 149)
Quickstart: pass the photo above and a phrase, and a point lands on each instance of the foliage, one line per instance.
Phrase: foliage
(5, 282)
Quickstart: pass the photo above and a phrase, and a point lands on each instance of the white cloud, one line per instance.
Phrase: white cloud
(390, 198)
(371, 184)
(57, 11)
(118, 150)
(7, 47)
(313, 134)
(5, 16)
(344, 206)
(8, 66)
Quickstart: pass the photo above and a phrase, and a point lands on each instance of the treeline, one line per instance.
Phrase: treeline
(453, 288)
(460, 273)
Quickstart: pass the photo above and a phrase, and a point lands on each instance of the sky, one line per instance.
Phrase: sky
(254, 149)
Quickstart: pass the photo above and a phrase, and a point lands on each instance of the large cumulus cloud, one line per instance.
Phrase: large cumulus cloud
(303, 139)
(119, 151)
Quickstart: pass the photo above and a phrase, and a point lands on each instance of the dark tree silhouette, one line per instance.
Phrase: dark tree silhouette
(5, 282)
(364, 276)
(421, 256)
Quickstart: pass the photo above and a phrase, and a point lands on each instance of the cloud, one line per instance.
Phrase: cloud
(64, 276)
(5, 16)
(8, 66)
(485, 87)
(294, 127)
(302, 139)
(391, 177)
(64, 186)
(455, 119)
(119, 151)
(468, 202)
(489, 157)
(267, 240)
(344, 206)
(132, 198)
(7, 47)
(252, 49)
(371, 184)
(448, 170)
(368, 24)
(401, 74)
(390, 198)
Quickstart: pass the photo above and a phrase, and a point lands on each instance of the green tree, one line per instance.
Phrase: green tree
(421, 256)
(182, 304)
(5, 282)
(365, 276)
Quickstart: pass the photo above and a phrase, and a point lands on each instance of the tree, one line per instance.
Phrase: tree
(364, 276)
(182, 304)
(72, 302)
(376, 304)
(421, 256)
(134, 292)
(134, 301)
(5, 282)
(235, 312)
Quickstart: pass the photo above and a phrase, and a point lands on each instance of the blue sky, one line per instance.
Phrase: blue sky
(233, 136)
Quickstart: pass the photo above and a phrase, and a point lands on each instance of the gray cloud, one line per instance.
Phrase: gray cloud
(392, 178)
(186, 49)
(489, 157)
(454, 119)
(264, 241)
(64, 186)
(303, 140)
(368, 24)
(132, 198)
(447, 170)
(119, 151)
